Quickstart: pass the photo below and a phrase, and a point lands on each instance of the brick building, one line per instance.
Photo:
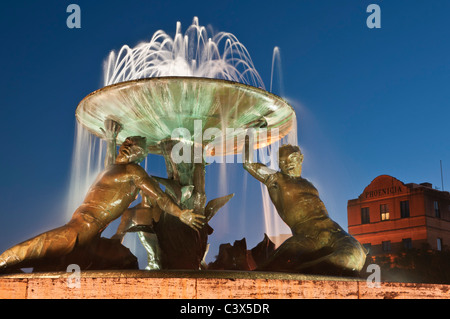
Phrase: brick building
(390, 216)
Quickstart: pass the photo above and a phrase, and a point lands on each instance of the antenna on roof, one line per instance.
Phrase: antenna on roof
(442, 178)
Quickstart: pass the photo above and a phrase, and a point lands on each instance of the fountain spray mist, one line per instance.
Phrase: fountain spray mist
(275, 227)
(87, 163)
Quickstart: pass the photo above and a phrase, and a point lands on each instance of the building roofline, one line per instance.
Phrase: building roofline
(411, 186)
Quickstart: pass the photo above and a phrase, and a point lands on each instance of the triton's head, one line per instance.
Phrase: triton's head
(132, 150)
(290, 160)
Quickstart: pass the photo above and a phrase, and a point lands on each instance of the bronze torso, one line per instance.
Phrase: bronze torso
(112, 192)
(296, 199)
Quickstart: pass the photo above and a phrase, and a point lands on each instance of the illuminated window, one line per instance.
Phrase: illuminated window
(439, 244)
(404, 209)
(384, 212)
(365, 216)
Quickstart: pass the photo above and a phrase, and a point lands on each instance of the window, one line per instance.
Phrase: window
(437, 212)
(439, 244)
(386, 245)
(368, 247)
(404, 209)
(384, 212)
(407, 243)
(365, 216)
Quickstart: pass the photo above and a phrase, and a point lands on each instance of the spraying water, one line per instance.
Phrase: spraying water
(194, 53)
(276, 73)
(274, 226)
(87, 163)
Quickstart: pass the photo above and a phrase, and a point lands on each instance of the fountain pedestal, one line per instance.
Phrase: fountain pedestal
(206, 285)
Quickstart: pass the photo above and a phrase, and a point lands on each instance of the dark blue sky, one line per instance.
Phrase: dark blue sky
(368, 101)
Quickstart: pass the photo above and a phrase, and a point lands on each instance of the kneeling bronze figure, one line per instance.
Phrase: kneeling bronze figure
(318, 244)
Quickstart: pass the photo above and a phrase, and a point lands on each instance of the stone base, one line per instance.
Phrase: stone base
(204, 285)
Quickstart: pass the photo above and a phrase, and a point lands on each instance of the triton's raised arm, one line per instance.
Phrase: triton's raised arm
(259, 171)
(112, 129)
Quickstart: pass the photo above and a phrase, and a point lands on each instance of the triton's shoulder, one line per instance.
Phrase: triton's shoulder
(273, 177)
(135, 169)
(308, 184)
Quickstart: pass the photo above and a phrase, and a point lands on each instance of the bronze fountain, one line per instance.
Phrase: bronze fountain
(186, 119)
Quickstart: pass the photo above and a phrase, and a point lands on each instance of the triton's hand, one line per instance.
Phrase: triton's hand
(247, 150)
(112, 129)
(195, 221)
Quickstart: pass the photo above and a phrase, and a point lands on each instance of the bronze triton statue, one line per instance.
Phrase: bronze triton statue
(318, 245)
(107, 199)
